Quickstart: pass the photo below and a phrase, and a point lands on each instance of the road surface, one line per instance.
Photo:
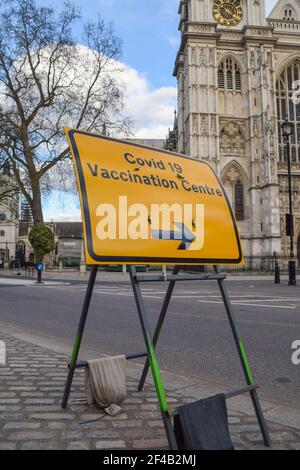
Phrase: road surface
(196, 340)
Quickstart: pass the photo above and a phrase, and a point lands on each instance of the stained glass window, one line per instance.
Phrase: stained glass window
(239, 201)
(229, 75)
(288, 106)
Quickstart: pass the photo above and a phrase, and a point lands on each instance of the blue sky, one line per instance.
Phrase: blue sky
(149, 31)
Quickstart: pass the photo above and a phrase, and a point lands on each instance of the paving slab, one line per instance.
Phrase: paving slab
(40, 423)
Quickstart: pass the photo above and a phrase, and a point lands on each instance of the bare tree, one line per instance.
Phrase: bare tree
(48, 81)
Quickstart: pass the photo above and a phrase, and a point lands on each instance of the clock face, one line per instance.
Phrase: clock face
(228, 12)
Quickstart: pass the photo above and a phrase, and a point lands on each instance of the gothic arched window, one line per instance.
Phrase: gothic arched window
(229, 75)
(288, 106)
(289, 13)
(239, 201)
(221, 77)
(235, 183)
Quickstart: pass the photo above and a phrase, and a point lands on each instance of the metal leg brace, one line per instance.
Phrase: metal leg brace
(78, 337)
(152, 360)
(150, 343)
(238, 341)
(244, 360)
(159, 325)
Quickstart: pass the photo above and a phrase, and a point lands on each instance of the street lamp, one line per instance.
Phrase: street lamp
(287, 131)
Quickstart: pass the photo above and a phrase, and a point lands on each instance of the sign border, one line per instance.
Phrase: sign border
(140, 259)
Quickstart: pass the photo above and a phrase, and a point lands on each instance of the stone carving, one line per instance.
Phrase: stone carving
(253, 60)
(265, 77)
(203, 126)
(232, 139)
(263, 58)
(195, 124)
(271, 140)
(211, 57)
(202, 57)
(232, 35)
(255, 127)
(232, 174)
(269, 125)
(213, 125)
(201, 28)
(193, 55)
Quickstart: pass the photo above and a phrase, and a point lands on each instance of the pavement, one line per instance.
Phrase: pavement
(70, 275)
(31, 418)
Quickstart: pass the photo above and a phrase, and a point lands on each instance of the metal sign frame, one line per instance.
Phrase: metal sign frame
(150, 343)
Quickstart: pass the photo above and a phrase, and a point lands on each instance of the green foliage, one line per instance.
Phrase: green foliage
(41, 238)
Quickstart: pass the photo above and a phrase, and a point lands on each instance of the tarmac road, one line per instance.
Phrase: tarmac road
(196, 340)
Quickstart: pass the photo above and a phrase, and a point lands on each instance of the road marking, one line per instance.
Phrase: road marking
(246, 300)
(151, 297)
(267, 298)
(248, 304)
(127, 294)
(239, 320)
(252, 297)
(112, 291)
(291, 307)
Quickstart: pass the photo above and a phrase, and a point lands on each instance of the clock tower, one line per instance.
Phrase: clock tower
(225, 71)
(227, 13)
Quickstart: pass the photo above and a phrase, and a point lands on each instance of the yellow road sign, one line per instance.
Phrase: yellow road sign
(144, 205)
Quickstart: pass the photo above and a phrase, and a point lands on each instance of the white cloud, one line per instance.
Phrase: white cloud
(174, 41)
(152, 109)
(74, 216)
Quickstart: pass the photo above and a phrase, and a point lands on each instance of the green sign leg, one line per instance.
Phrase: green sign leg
(78, 337)
(244, 360)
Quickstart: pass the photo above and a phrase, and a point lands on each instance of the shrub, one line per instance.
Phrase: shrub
(41, 238)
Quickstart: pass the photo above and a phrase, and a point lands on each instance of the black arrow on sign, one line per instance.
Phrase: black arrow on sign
(184, 234)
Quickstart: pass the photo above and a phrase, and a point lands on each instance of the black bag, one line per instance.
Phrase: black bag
(203, 425)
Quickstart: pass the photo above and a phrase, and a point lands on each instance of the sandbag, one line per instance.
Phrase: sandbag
(105, 381)
(203, 425)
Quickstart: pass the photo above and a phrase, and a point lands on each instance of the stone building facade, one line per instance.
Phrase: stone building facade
(9, 201)
(68, 238)
(237, 73)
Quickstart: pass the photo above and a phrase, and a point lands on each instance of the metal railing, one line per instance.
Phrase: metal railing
(262, 264)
